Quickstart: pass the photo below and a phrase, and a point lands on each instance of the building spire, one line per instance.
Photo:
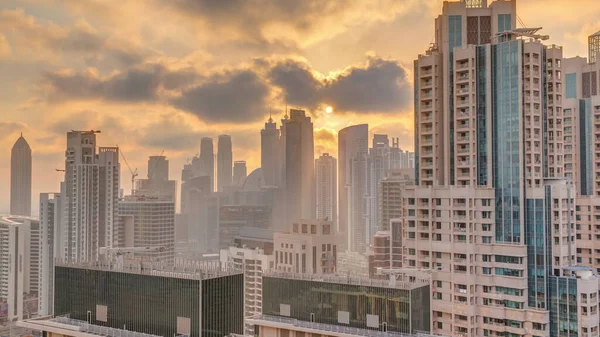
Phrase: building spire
(270, 115)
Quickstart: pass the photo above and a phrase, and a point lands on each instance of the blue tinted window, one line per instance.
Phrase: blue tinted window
(571, 85)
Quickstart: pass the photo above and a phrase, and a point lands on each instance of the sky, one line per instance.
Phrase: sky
(156, 75)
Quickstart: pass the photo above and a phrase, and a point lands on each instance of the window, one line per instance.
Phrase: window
(486, 289)
(438, 213)
(295, 228)
(411, 201)
(313, 229)
(411, 235)
(509, 272)
(486, 239)
(440, 325)
(438, 255)
(486, 270)
(438, 296)
(411, 251)
(438, 202)
(507, 259)
(486, 258)
(304, 228)
(326, 229)
(438, 284)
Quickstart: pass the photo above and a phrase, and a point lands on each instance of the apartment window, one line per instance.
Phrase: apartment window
(438, 255)
(313, 229)
(411, 201)
(438, 202)
(440, 325)
(438, 296)
(412, 263)
(304, 228)
(486, 258)
(486, 289)
(295, 228)
(438, 237)
(486, 239)
(439, 313)
(411, 251)
(486, 270)
(326, 229)
(411, 235)
(438, 284)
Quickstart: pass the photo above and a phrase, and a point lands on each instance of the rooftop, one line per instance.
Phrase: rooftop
(71, 327)
(182, 269)
(332, 330)
(347, 279)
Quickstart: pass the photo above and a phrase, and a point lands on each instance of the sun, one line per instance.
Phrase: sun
(329, 109)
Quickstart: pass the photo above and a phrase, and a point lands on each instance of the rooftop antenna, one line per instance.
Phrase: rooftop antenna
(270, 115)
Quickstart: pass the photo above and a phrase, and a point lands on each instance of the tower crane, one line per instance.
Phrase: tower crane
(134, 171)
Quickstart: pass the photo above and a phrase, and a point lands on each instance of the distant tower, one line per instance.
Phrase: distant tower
(20, 178)
(326, 177)
(353, 149)
(594, 47)
(299, 165)
(207, 160)
(240, 172)
(270, 153)
(224, 162)
(158, 168)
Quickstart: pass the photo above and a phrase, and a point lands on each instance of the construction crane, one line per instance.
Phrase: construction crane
(134, 172)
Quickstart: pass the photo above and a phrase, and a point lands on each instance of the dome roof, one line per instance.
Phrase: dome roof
(255, 181)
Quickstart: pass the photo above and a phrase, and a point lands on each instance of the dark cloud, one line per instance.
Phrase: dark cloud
(251, 18)
(232, 97)
(299, 84)
(133, 85)
(379, 86)
(240, 95)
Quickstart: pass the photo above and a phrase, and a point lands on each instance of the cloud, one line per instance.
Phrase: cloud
(52, 40)
(299, 21)
(232, 97)
(378, 86)
(5, 49)
(8, 128)
(133, 85)
(325, 141)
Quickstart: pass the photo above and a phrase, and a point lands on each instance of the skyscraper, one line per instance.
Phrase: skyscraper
(157, 184)
(353, 147)
(50, 221)
(90, 197)
(240, 172)
(326, 177)
(224, 162)
(492, 215)
(20, 178)
(206, 162)
(299, 166)
(270, 153)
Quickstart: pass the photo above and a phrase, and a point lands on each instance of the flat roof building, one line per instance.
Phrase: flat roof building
(195, 299)
(341, 306)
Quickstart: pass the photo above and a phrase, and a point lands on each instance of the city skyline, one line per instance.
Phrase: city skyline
(83, 37)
